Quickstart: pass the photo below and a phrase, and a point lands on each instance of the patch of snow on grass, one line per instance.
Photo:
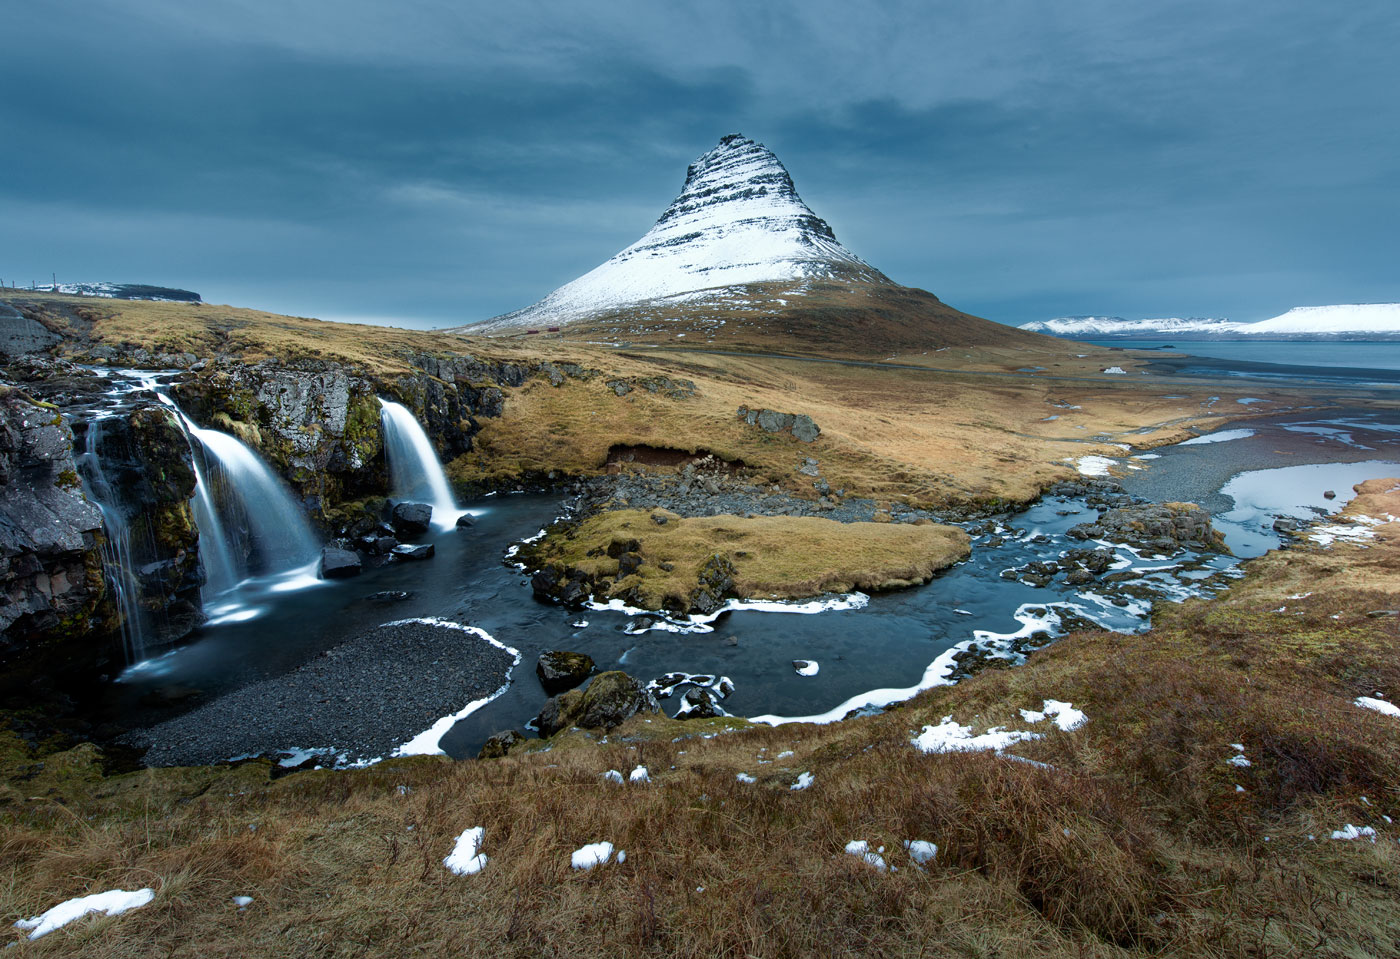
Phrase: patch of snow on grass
(861, 848)
(593, 854)
(612, 776)
(803, 781)
(466, 857)
(1349, 832)
(1116, 370)
(113, 903)
(1379, 705)
(1359, 532)
(745, 778)
(1064, 714)
(1093, 465)
(921, 851)
(640, 775)
(951, 737)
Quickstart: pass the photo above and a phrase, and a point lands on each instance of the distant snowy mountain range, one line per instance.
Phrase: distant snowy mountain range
(123, 291)
(1353, 321)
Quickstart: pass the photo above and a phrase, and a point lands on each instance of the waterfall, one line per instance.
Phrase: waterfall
(414, 468)
(117, 562)
(252, 532)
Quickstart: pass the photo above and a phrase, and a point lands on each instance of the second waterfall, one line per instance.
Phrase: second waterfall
(414, 468)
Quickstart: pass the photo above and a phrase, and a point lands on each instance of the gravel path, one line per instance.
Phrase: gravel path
(361, 699)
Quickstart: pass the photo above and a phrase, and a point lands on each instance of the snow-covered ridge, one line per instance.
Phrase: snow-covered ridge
(1117, 326)
(1344, 321)
(122, 291)
(738, 220)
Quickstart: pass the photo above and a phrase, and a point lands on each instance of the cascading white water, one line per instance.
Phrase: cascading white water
(252, 534)
(117, 561)
(414, 468)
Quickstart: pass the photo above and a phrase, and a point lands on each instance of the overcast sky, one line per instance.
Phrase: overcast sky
(425, 163)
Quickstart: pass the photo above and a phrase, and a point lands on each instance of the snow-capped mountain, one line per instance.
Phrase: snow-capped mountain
(1117, 326)
(738, 221)
(1355, 321)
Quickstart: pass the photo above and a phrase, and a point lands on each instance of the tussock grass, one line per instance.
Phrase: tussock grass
(774, 557)
(1134, 842)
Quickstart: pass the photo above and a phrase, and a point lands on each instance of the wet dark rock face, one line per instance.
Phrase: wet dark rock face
(51, 587)
(146, 456)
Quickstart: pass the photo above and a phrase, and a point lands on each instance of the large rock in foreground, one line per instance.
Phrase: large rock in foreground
(610, 700)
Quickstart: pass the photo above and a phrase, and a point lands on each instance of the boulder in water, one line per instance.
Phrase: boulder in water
(386, 596)
(560, 670)
(337, 563)
(466, 521)
(406, 551)
(411, 519)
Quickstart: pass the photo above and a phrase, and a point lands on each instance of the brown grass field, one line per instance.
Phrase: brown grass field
(1132, 840)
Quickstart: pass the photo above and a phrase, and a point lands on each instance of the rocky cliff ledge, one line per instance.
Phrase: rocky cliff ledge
(50, 536)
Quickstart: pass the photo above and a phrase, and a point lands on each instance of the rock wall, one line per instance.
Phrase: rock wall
(51, 586)
(317, 425)
(146, 459)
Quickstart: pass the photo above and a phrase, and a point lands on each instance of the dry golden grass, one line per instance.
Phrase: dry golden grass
(774, 557)
(942, 426)
(1133, 841)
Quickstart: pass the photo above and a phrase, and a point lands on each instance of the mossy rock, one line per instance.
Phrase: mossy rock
(610, 700)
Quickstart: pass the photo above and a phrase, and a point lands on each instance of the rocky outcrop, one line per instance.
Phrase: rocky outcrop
(610, 700)
(317, 424)
(51, 586)
(1166, 528)
(21, 335)
(798, 425)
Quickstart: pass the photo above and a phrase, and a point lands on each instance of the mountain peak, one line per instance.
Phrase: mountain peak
(738, 221)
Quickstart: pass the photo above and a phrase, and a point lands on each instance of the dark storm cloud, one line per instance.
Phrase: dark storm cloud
(427, 163)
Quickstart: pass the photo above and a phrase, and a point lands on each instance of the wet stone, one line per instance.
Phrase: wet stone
(337, 563)
(411, 519)
(560, 670)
